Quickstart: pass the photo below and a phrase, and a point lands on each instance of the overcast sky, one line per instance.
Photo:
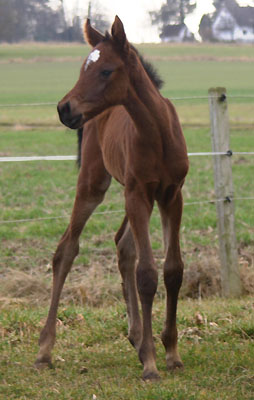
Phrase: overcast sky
(134, 14)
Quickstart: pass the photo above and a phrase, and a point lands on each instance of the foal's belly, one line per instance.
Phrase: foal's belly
(114, 161)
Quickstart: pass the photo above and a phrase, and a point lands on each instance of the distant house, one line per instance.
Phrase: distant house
(176, 33)
(232, 23)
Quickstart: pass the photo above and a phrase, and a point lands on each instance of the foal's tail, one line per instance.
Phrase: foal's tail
(80, 136)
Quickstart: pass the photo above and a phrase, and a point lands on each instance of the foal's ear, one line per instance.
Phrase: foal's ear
(91, 35)
(118, 33)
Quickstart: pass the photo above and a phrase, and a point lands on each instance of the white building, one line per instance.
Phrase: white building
(234, 23)
(176, 33)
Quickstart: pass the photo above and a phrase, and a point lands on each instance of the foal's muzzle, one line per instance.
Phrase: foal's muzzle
(68, 117)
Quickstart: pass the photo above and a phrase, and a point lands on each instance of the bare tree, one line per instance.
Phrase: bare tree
(97, 16)
(29, 20)
(172, 12)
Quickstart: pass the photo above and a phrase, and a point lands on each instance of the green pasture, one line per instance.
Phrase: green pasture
(93, 359)
(29, 51)
(44, 73)
(92, 355)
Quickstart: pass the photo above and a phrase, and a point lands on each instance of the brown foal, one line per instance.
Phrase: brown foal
(133, 134)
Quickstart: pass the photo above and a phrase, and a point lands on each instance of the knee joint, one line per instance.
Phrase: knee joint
(147, 281)
(126, 259)
(126, 253)
(173, 276)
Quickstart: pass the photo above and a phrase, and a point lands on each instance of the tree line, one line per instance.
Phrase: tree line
(36, 20)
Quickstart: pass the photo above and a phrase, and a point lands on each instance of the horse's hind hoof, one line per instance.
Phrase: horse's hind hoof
(43, 364)
(151, 376)
(175, 366)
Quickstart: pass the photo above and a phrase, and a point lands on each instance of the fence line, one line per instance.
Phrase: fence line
(73, 158)
(51, 218)
(27, 105)
(251, 96)
(38, 158)
(108, 212)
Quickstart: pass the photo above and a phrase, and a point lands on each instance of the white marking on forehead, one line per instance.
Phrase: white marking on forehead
(93, 57)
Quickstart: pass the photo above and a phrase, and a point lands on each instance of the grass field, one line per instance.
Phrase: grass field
(94, 356)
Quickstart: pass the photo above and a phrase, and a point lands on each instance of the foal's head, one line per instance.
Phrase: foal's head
(103, 80)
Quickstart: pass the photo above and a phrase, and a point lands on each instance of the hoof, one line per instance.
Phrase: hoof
(43, 364)
(150, 376)
(176, 365)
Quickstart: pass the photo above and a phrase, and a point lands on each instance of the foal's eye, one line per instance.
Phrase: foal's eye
(106, 73)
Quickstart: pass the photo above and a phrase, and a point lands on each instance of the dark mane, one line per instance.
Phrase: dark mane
(148, 67)
(150, 70)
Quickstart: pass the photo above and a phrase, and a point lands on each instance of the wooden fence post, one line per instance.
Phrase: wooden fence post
(230, 278)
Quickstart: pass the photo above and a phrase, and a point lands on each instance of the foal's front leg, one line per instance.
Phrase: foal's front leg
(67, 250)
(92, 184)
(139, 207)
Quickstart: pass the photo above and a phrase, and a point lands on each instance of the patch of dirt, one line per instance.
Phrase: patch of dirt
(20, 60)
(199, 58)
(202, 277)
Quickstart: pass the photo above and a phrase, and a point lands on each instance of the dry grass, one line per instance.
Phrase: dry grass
(100, 283)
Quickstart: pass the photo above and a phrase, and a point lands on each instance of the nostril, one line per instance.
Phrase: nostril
(68, 116)
(64, 109)
(67, 108)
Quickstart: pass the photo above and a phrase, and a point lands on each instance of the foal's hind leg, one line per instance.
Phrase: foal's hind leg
(127, 265)
(173, 272)
(92, 183)
(139, 205)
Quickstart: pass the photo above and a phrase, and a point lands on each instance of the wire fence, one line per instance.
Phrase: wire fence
(228, 153)
(73, 158)
(108, 212)
(205, 97)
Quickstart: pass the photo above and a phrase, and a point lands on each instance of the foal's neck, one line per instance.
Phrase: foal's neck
(145, 105)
